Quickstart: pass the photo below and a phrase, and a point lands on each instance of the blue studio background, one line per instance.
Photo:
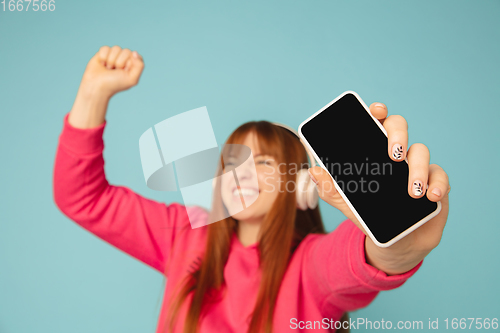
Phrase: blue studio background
(434, 62)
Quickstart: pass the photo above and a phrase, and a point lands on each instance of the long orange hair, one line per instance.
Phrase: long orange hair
(282, 229)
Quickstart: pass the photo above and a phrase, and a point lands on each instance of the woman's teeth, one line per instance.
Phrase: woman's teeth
(245, 192)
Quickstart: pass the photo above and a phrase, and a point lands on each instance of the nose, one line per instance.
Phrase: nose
(246, 171)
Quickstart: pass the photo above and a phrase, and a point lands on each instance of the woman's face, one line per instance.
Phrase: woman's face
(266, 176)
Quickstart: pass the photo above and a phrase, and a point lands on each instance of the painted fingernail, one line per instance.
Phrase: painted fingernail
(397, 151)
(417, 188)
(312, 177)
(436, 192)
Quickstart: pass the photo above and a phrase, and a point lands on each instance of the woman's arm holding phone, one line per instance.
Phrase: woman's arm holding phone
(337, 273)
(408, 252)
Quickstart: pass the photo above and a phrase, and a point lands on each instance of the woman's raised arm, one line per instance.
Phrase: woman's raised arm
(141, 227)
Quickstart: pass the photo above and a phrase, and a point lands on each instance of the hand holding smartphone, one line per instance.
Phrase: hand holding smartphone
(351, 145)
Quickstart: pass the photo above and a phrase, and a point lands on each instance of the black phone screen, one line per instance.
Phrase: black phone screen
(354, 151)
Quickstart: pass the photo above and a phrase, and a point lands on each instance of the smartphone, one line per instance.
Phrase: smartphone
(351, 145)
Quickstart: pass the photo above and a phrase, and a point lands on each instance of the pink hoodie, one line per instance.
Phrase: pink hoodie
(327, 274)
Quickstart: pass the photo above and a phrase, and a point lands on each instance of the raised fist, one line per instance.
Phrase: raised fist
(113, 69)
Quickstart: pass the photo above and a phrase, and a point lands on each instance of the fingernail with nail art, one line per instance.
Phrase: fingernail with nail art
(397, 151)
(417, 188)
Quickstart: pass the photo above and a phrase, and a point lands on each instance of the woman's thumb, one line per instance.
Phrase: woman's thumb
(324, 182)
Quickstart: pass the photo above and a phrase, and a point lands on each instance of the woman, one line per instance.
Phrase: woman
(270, 267)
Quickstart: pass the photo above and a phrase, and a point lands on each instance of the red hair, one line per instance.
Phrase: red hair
(282, 229)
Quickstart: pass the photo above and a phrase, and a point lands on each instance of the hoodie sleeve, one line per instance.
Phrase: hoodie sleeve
(340, 275)
(140, 227)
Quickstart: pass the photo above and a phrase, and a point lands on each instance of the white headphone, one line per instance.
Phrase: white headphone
(306, 190)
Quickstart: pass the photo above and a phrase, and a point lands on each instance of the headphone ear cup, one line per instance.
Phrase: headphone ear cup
(303, 182)
(312, 195)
